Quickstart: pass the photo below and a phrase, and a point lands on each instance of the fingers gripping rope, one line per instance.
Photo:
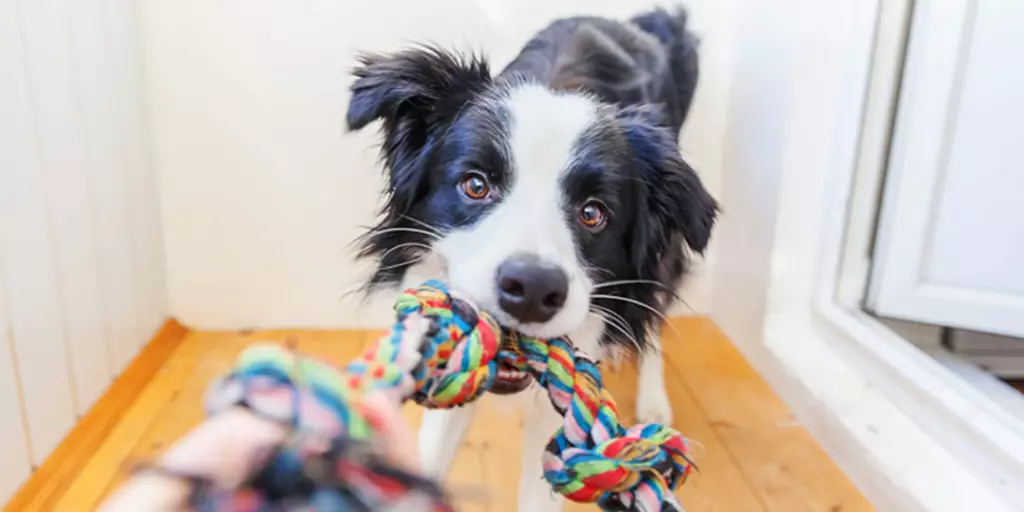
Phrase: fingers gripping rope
(443, 353)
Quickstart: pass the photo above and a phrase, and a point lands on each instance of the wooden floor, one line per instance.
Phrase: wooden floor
(752, 454)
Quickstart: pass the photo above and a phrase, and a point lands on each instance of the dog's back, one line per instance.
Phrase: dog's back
(651, 59)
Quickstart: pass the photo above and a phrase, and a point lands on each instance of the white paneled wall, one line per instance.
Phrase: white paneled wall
(81, 250)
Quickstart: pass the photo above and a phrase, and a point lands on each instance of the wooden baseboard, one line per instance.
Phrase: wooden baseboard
(49, 482)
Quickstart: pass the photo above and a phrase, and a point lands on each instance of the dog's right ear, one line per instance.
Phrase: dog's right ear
(408, 85)
(415, 93)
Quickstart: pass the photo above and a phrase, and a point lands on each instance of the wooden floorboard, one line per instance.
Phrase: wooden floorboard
(752, 454)
(776, 456)
(50, 482)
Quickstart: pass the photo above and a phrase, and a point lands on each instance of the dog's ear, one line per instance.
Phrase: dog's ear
(675, 196)
(416, 94)
(409, 84)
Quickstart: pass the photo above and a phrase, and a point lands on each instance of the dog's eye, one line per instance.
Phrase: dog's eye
(475, 186)
(593, 215)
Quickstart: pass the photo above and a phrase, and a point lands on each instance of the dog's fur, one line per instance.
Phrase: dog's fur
(588, 113)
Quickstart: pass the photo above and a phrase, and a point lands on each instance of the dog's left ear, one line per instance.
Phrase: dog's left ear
(675, 194)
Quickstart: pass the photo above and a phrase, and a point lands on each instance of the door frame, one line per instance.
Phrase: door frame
(907, 431)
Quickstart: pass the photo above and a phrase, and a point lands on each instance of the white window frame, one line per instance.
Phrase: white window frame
(910, 433)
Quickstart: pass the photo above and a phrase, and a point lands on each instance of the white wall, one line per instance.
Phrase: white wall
(81, 256)
(262, 189)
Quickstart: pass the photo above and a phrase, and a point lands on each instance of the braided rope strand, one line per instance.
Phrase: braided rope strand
(442, 352)
(592, 457)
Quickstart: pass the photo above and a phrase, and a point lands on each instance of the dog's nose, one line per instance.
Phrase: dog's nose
(530, 290)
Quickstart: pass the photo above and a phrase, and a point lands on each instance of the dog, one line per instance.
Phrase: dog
(552, 194)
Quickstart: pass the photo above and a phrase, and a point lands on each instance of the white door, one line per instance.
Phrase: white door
(950, 248)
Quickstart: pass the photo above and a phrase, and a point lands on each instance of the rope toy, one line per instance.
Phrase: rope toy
(441, 353)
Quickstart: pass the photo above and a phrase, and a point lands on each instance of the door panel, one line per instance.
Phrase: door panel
(951, 232)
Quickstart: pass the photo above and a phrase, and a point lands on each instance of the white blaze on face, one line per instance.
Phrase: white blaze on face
(531, 217)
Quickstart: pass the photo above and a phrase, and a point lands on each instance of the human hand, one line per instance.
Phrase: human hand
(230, 447)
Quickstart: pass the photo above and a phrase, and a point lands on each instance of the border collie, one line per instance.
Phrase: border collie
(553, 195)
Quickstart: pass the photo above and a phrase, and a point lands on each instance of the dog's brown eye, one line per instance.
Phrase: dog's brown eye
(593, 215)
(475, 187)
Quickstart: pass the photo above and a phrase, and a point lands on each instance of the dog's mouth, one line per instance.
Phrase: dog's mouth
(510, 380)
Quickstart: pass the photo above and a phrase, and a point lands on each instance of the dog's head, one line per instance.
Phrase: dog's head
(543, 206)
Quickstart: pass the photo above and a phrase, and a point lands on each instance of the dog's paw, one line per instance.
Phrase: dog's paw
(654, 407)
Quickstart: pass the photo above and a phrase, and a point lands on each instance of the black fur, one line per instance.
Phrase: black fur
(656, 64)
(417, 94)
(438, 118)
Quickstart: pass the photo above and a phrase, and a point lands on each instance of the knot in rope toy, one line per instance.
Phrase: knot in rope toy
(442, 352)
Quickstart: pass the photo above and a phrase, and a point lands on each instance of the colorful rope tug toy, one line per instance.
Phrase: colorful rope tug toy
(441, 353)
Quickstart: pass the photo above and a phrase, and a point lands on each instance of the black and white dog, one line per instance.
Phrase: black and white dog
(554, 195)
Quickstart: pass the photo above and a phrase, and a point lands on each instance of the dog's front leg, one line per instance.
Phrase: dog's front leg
(652, 402)
(535, 495)
(441, 435)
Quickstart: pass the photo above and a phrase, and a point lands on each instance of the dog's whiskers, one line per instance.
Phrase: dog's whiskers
(407, 244)
(645, 306)
(621, 325)
(402, 264)
(619, 318)
(630, 334)
(664, 287)
(432, 228)
(630, 281)
(605, 321)
(377, 232)
(599, 269)
(405, 263)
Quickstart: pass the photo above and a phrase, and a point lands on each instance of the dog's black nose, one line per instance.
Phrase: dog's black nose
(530, 290)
